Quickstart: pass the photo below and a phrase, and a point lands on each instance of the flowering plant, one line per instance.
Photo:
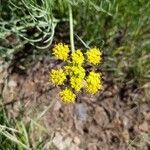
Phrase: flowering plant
(74, 75)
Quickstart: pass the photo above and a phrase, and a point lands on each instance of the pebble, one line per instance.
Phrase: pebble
(92, 146)
(144, 127)
(12, 83)
(100, 116)
(76, 140)
(81, 111)
(126, 136)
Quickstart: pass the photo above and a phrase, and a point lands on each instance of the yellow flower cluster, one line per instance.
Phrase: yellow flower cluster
(93, 56)
(76, 83)
(74, 72)
(61, 51)
(76, 75)
(57, 76)
(67, 96)
(93, 82)
(77, 71)
(77, 57)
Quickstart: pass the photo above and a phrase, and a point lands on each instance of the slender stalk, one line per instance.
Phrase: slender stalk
(71, 28)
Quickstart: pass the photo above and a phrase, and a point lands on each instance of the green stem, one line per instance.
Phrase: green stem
(71, 29)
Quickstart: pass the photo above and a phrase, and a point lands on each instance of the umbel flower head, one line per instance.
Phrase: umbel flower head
(57, 76)
(94, 56)
(67, 96)
(72, 75)
(77, 57)
(93, 82)
(61, 51)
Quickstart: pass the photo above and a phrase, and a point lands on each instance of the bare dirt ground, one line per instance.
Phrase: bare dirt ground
(116, 118)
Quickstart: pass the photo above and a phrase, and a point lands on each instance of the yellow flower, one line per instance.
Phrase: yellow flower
(76, 71)
(76, 83)
(94, 56)
(60, 51)
(57, 76)
(77, 57)
(68, 70)
(93, 82)
(67, 96)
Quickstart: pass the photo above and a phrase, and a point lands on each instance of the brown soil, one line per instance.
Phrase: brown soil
(116, 118)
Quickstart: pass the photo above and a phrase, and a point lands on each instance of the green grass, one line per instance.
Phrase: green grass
(20, 134)
(12, 136)
(17, 134)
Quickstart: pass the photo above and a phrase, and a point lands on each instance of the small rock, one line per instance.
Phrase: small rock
(144, 127)
(57, 106)
(76, 140)
(9, 94)
(101, 117)
(108, 94)
(147, 116)
(58, 137)
(1, 69)
(125, 122)
(92, 146)
(81, 111)
(67, 141)
(64, 143)
(73, 147)
(12, 83)
(80, 116)
(94, 131)
(126, 136)
(58, 141)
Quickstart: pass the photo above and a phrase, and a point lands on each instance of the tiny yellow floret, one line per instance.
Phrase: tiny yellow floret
(60, 51)
(77, 71)
(67, 96)
(77, 57)
(93, 82)
(94, 56)
(76, 83)
(57, 76)
(68, 70)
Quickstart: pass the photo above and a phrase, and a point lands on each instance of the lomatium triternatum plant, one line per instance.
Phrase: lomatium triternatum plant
(74, 75)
